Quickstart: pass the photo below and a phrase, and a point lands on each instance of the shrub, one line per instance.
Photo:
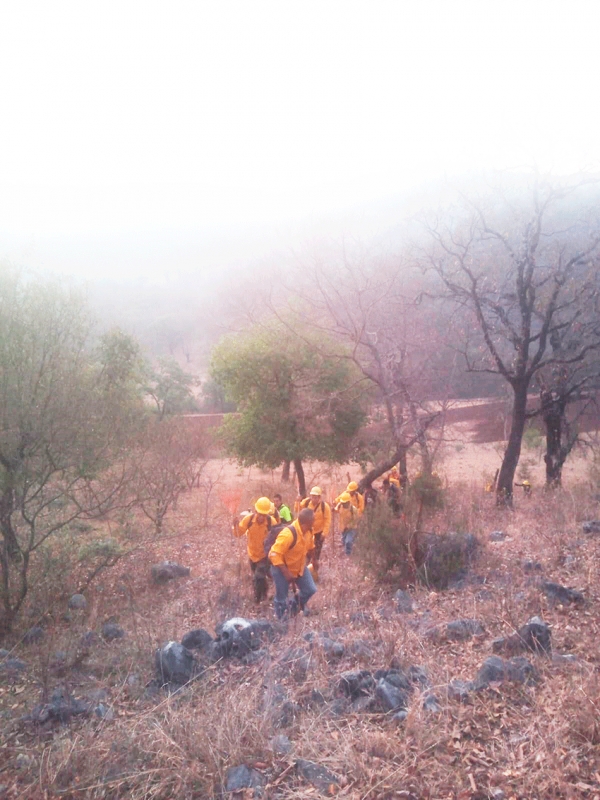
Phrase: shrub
(428, 490)
(384, 544)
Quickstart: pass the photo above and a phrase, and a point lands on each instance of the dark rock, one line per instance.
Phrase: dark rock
(520, 670)
(296, 662)
(243, 777)
(12, 666)
(286, 714)
(493, 670)
(496, 670)
(238, 636)
(168, 571)
(446, 557)
(360, 649)
(34, 635)
(112, 631)
(459, 690)
(174, 663)
(418, 676)
(361, 618)
(534, 636)
(320, 777)
(431, 704)
(532, 566)
(104, 712)
(254, 656)
(404, 604)
(483, 595)
(97, 695)
(333, 650)
(61, 708)
(592, 527)
(390, 697)
(198, 639)
(338, 707)
(458, 630)
(88, 639)
(280, 745)
(561, 594)
(356, 683)
(4, 653)
(317, 698)
(497, 536)
(396, 677)
(400, 716)
(77, 602)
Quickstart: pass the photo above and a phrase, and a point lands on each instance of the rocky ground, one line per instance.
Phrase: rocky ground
(167, 683)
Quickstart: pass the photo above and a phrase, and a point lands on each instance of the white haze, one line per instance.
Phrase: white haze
(148, 138)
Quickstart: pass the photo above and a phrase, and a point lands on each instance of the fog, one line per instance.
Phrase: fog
(198, 141)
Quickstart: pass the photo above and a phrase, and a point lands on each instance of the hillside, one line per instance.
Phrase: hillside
(112, 731)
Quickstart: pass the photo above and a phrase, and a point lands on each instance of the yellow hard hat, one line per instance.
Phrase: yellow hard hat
(352, 486)
(263, 505)
(316, 490)
(345, 497)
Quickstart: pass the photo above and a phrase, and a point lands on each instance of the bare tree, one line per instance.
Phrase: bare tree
(520, 277)
(369, 306)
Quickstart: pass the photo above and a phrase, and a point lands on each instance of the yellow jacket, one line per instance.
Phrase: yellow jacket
(294, 557)
(322, 510)
(256, 535)
(358, 501)
(348, 516)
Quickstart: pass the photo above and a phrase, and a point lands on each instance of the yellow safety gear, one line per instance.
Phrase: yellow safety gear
(256, 532)
(284, 551)
(352, 487)
(316, 490)
(263, 505)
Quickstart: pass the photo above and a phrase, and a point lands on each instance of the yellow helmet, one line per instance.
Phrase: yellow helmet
(263, 505)
(345, 497)
(352, 487)
(316, 490)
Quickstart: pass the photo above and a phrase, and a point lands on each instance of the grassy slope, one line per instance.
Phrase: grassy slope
(532, 742)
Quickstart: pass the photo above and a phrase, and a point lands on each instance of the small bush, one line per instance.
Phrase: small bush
(384, 544)
(428, 489)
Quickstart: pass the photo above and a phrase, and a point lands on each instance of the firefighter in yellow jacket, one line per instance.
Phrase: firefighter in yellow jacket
(348, 518)
(321, 526)
(356, 498)
(288, 565)
(256, 527)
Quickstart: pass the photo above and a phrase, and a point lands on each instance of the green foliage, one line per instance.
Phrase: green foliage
(295, 400)
(170, 387)
(383, 544)
(428, 489)
(64, 425)
(533, 438)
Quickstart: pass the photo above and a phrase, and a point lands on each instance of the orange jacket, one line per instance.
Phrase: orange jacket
(293, 555)
(256, 535)
(322, 510)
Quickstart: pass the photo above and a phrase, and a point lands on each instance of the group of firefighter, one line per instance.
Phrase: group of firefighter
(290, 549)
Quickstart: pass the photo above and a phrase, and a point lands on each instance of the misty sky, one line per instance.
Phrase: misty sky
(163, 135)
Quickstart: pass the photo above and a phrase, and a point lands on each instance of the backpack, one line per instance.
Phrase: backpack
(274, 532)
(252, 521)
(305, 503)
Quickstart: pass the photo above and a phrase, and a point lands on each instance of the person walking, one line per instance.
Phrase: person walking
(321, 526)
(288, 565)
(285, 513)
(256, 527)
(348, 517)
(356, 498)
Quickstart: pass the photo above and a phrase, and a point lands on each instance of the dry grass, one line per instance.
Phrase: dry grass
(540, 742)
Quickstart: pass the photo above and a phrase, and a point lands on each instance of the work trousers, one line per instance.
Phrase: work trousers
(260, 570)
(306, 589)
(348, 537)
(314, 556)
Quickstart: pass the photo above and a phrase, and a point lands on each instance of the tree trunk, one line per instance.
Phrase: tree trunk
(553, 414)
(285, 472)
(506, 478)
(403, 469)
(300, 475)
(398, 457)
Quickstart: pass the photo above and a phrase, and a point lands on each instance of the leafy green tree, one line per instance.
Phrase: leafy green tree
(295, 403)
(63, 432)
(170, 387)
